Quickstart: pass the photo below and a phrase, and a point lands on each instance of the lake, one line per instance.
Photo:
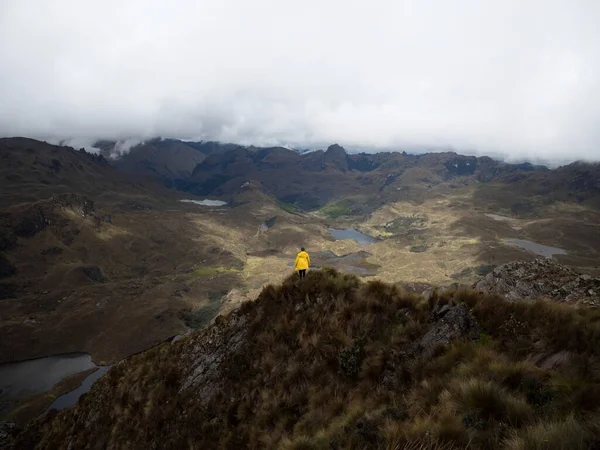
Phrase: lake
(205, 202)
(539, 249)
(351, 233)
(25, 378)
(70, 398)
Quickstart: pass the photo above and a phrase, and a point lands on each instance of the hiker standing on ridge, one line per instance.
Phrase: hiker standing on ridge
(302, 263)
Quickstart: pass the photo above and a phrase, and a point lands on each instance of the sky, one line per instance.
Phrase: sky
(518, 79)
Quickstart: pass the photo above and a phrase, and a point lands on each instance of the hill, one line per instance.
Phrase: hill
(312, 180)
(106, 257)
(332, 362)
(168, 160)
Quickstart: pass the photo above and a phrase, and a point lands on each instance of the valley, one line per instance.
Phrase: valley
(117, 265)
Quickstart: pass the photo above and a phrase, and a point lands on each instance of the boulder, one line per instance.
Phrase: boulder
(449, 322)
(94, 273)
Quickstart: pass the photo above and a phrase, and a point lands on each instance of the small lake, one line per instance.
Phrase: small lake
(351, 233)
(205, 202)
(539, 249)
(70, 398)
(19, 379)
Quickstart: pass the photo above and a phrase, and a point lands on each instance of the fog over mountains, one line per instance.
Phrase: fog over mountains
(504, 79)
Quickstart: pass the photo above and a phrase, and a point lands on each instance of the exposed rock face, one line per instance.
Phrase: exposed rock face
(541, 278)
(450, 322)
(206, 356)
(78, 203)
(8, 432)
(94, 273)
(336, 157)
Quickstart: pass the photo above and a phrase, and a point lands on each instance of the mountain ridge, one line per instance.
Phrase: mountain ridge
(331, 361)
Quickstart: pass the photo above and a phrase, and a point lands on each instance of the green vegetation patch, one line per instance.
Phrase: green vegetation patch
(289, 208)
(403, 224)
(339, 209)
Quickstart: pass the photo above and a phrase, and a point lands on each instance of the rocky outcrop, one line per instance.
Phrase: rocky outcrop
(335, 156)
(78, 203)
(449, 322)
(8, 433)
(541, 278)
(205, 357)
(94, 273)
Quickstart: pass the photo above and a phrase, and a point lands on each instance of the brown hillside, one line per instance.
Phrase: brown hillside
(330, 362)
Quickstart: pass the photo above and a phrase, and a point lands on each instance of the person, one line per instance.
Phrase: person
(302, 263)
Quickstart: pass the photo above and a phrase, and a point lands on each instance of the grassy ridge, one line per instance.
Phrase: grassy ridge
(330, 362)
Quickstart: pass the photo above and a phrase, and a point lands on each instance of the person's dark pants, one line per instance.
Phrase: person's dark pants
(302, 273)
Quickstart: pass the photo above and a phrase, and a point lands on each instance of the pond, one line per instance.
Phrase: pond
(351, 233)
(25, 378)
(539, 249)
(70, 398)
(205, 202)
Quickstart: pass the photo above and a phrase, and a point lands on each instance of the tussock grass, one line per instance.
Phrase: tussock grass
(567, 434)
(331, 362)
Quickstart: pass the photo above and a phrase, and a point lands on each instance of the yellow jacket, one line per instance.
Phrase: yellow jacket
(302, 261)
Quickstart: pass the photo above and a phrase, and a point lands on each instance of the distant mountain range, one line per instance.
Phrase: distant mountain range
(308, 179)
(311, 179)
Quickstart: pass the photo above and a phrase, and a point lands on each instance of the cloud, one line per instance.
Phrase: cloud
(502, 77)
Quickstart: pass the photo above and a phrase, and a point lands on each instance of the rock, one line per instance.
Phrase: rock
(94, 273)
(78, 203)
(450, 322)
(8, 434)
(541, 278)
(6, 267)
(206, 356)
(556, 360)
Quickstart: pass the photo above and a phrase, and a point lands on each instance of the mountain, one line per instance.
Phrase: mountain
(301, 177)
(333, 362)
(106, 263)
(312, 180)
(168, 160)
(102, 255)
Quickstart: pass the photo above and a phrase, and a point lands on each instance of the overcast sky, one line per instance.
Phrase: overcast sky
(519, 78)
